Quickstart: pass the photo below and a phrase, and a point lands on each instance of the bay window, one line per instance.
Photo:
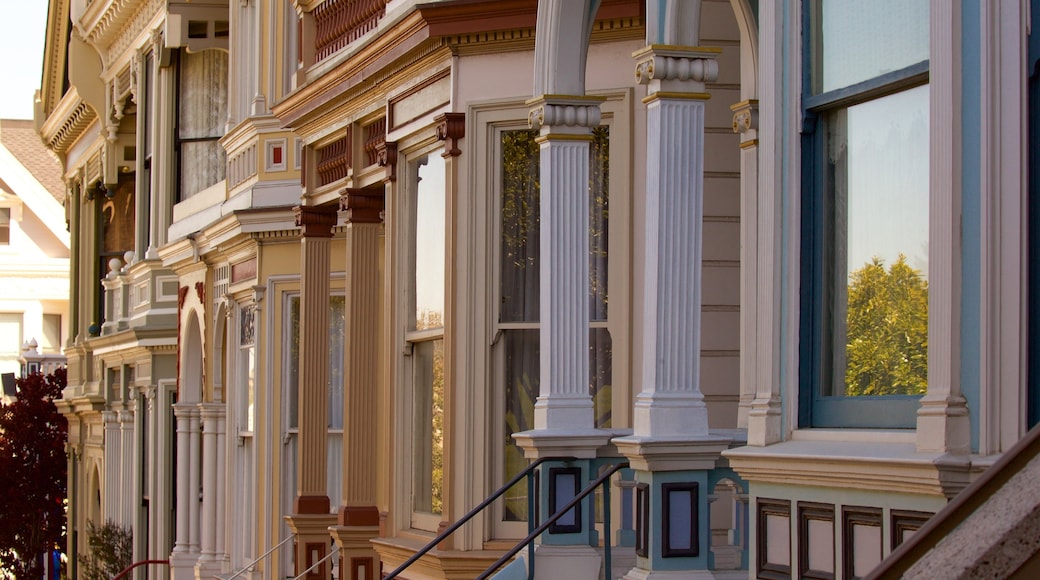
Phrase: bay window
(865, 213)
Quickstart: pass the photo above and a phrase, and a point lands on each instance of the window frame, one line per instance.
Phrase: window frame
(410, 337)
(816, 410)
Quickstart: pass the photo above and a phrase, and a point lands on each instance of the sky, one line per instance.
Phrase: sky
(23, 24)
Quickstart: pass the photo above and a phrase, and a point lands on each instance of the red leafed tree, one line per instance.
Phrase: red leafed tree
(32, 474)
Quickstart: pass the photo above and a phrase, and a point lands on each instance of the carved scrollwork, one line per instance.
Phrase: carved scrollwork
(662, 67)
(745, 116)
(568, 115)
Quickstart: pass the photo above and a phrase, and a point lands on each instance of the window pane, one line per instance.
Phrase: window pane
(428, 447)
(858, 40)
(429, 243)
(878, 168)
(521, 389)
(520, 227)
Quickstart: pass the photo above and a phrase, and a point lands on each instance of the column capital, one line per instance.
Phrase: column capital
(451, 127)
(564, 114)
(362, 206)
(316, 221)
(676, 69)
(745, 118)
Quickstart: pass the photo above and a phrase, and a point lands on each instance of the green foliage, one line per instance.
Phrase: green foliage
(111, 551)
(887, 351)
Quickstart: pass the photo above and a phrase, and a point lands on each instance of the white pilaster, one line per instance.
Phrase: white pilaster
(182, 412)
(194, 479)
(942, 420)
(209, 413)
(745, 123)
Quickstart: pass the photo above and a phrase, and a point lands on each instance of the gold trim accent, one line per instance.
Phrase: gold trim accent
(676, 95)
(743, 104)
(749, 144)
(561, 137)
(676, 50)
(551, 99)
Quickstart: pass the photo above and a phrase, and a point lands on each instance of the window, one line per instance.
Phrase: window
(202, 78)
(517, 336)
(425, 334)
(865, 213)
(51, 343)
(5, 226)
(10, 341)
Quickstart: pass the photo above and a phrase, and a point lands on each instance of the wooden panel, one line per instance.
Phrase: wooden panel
(774, 539)
(816, 540)
(861, 540)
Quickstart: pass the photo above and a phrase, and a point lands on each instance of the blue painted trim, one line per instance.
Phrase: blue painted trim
(971, 205)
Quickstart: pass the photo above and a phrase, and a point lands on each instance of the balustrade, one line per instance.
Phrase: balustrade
(340, 22)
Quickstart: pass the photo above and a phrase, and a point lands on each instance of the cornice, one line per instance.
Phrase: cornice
(54, 57)
(67, 122)
(459, 27)
(113, 26)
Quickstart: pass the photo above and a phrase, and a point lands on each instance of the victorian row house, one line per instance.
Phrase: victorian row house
(343, 268)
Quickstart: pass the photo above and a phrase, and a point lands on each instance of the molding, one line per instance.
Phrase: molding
(315, 221)
(451, 128)
(363, 206)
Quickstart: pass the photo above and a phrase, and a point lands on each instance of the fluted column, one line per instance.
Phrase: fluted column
(194, 479)
(182, 411)
(670, 402)
(128, 466)
(113, 445)
(358, 520)
(221, 485)
(311, 518)
(671, 446)
(565, 134)
(210, 413)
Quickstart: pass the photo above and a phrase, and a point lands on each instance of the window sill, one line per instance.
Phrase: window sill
(866, 460)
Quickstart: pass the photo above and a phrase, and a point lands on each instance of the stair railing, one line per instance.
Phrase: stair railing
(529, 540)
(528, 472)
(262, 556)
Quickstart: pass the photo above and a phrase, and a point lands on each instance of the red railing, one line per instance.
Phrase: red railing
(334, 160)
(340, 22)
(130, 568)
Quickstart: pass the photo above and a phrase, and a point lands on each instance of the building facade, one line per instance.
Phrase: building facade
(343, 268)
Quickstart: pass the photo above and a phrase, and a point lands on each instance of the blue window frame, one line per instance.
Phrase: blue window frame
(864, 281)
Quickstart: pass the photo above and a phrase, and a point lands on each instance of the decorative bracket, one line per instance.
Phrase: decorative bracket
(676, 68)
(451, 127)
(386, 157)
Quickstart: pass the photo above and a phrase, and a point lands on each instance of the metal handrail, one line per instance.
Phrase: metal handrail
(130, 568)
(262, 556)
(331, 553)
(559, 514)
(470, 514)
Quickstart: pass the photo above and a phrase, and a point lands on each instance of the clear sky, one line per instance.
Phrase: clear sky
(23, 24)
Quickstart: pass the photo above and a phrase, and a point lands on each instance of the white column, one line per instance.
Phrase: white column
(670, 402)
(209, 413)
(182, 412)
(220, 489)
(194, 479)
(128, 466)
(111, 471)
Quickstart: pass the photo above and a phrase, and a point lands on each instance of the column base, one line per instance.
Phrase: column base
(207, 569)
(312, 541)
(553, 562)
(182, 565)
(577, 443)
(673, 453)
(641, 574)
(358, 560)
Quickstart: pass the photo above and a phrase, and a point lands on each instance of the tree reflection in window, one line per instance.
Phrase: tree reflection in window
(519, 293)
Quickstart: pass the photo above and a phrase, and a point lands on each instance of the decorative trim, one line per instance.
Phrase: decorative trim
(903, 521)
(808, 511)
(276, 154)
(673, 95)
(745, 116)
(386, 157)
(852, 516)
(315, 222)
(363, 206)
(667, 489)
(556, 502)
(451, 128)
(564, 111)
(642, 520)
(200, 289)
(766, 508)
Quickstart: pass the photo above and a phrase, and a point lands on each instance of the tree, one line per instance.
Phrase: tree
(32, 474)
(887, 349)
(111, 551)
